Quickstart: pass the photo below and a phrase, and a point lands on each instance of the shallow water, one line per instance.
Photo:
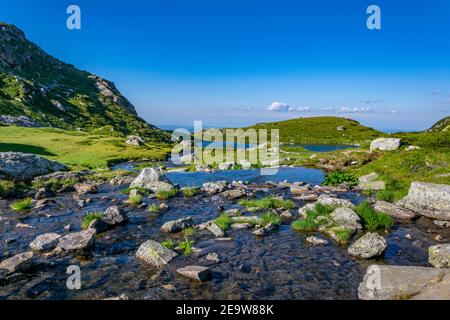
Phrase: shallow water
(279, 266)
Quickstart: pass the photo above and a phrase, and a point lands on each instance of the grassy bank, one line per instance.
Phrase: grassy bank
(76, 149)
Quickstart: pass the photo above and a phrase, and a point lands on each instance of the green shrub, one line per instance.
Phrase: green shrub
(186, 245)
(168, 244)
(87, 220)
(270, 218)
(189, 192)
(165, 195)
(268, 203)
(189, 232)
(337, 178)
(307, 224)
(372, 219)
(21, 205)
(224, 222)
(153, 208)
(7, 188)
(135, 200)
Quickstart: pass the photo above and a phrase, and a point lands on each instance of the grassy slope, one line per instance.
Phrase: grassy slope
(77, 149)
(321, 130)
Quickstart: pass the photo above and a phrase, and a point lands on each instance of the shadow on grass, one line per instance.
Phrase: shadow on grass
(25, 148)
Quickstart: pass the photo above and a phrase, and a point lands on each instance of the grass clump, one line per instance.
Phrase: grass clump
(189, 232)
(312, 222)
(87, 220)
(153, 208)
(385, 195)
(21, 205)
(141, 190)
(135, 200)
(169, 244)
(343, 235)
(186, 246)
(336, 178)
(7, 188)
(268, 203)
(166, 194)
(372, 219)
(189, 192)
(270, 218)
(56, 185)
(224, 221)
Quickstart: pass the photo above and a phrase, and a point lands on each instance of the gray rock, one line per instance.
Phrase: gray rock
(372, 186)
(435, 291)
(114, 216)
(79, 241)
(19, 121)
(241, 226)
(439, 255)
(299, 190)
(270, 228)
(368, 246)
(155, 254)
(215, 187)
(246, 219)
(245, 164)
(215, 230)
(134, 141)
(316, 241)
(308, 197)
(213, 256)
(385, 144)
(85, 188)
(232, 212)
(286, 217)
(403, 282)
(442, 224)
(47, 241)
(177, 225)
(25, 166)
(152, 179)
(302, 212)
(347, 218)
(368, 178)
(234, 194)
(394, 210)
(203, 168)
(18, 263)
(226, 165)
(330, 201)
(429, 199)
(201, 274)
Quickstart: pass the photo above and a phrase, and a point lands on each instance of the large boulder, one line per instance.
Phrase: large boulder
(385, 144)
(79, 241)
(25, 166)
(155, 254)
(429, 199)
(347, 218)
(18, 263)
(382, 282)
(439, 255)
(152, 179)
(368, 246)
(368, 178)
(394, 210)
(372, 186)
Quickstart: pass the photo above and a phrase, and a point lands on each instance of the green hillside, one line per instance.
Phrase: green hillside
(441, 125)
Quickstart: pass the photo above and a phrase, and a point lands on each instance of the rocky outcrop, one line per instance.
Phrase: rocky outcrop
(385, 144)
(439, 255)
(47, 241)
(152, 179)
(368, 246)
(201, 274)
(404, 282)
(20, 121)
(134, 141)
(155, 254)
(177, 225)
(79, 241)
(25, 166)
(394, 210)
(428, 199)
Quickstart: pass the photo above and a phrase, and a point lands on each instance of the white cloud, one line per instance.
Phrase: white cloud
(279, 107)
(356, 110)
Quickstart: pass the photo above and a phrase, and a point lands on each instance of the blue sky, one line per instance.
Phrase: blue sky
(227, 62)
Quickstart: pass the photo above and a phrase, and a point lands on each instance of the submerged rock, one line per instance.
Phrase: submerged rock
(25, 166)
(152, 179)
(347, 218)
(385, 144)
(201, 274)
(428, 199)
(79, 241)
(155, 254)
(439, 255)
(177, 225)
(286, 217)
(18, 263)
(382, 282)
(442, 224)
(368, 246)
(47, 241)
(394, 210)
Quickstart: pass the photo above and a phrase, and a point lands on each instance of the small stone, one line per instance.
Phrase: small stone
(316, 241)
(201, 274)
(68, 227)
(155, 254)
(233, 212)
(439, 237)
(368, 178)
(24, 226)
(439, 255)
(286, 217)
(215, 230)
(47, 241)
(368, 246)
(114, 216)
(262, 232)
(177, 225)
(214, 257)
(408, 236)
(85, 188)
(442, 224)
(241, 226)
(163, 207)
(83, 240)
(347, 218)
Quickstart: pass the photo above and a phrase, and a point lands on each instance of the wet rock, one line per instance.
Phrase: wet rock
(316, 241)
(308, 197)
(19, 263)
(155, 254)
(85, 188)
(134, 193)
(114, 216)
(429, 199)
(347, 218)
(201, 274)
(226, 165)
(299, 190)
(330, 201)
(368, 246)
(41, 204)
(68, 227)
(24, 166)
(442, 224)
(42, 194)
(234, 194)
(385, 144)
(47, 241)
(241, 226)
(246, 219)
(394, 210)
(382, 282)
(368, 178)
(152, 179)
(121, 180)
(215, 187)
(286, 217)
(177, 225)
(79, 241)
(439, 255)
(163, 207)
(213, 257)
(215, 230)
(372, 186)
(135, 141)
(265, 231)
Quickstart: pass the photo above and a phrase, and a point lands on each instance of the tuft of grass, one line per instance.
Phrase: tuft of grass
(386, 195)
(268, 203)
(224, 222)
(343, 235)
(7, 188)
(141, 190)
(87, 220)
(153, 208)
(189, 232)
(372, 219)
(336, 178)
(135, 200)
(55, 185)
(186, 245)
(21, 205)
(310, 223)
(169, 244)
(165, 195)
(189, 192)
(270, 218)
(307, 224)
